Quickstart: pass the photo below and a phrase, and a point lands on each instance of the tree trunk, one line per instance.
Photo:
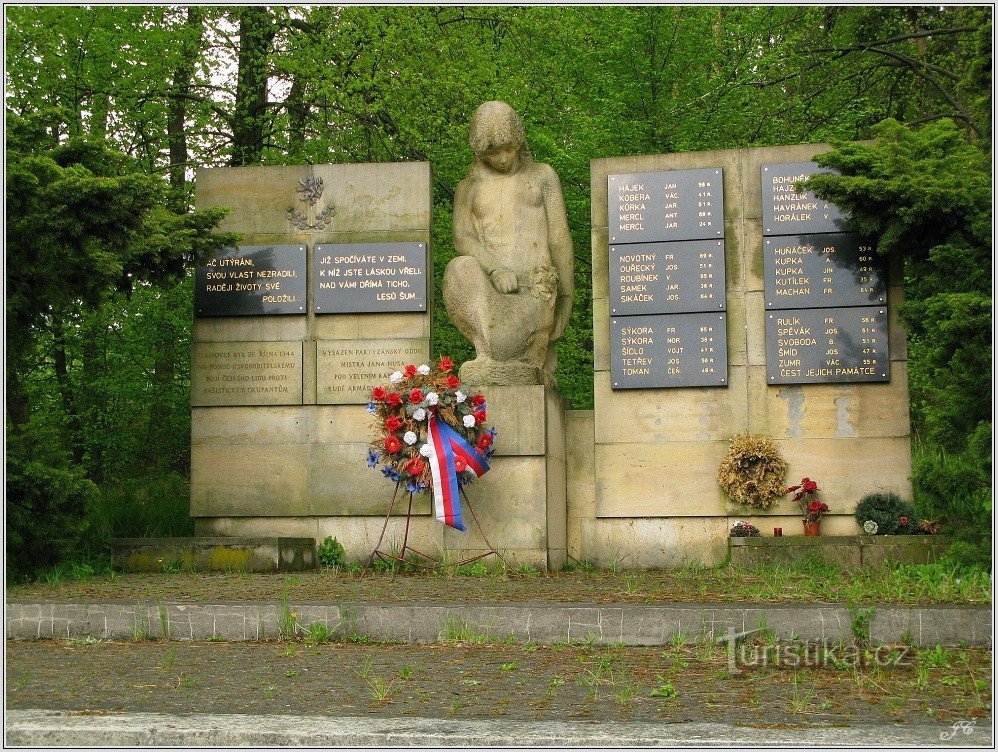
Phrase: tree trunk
(297, 118)
(177, 109)
(256, 35)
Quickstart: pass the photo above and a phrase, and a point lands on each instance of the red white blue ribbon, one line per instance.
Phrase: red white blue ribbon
(445, 444)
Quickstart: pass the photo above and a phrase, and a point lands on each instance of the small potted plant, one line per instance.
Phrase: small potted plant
(806, 496)
(743, 530)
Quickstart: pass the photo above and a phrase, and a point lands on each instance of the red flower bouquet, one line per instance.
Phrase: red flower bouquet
(806, 498)
(403, 409)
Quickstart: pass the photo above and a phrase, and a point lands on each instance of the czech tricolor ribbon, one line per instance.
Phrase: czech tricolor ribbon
(446, 445)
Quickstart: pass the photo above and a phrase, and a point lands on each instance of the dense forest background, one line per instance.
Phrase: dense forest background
(110, 110)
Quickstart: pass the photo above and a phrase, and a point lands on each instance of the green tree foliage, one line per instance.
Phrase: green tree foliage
(926, 194)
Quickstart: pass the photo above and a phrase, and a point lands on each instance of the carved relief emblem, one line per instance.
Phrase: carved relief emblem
(309, 192)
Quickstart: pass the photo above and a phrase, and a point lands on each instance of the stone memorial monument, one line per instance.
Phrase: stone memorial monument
(510, 289)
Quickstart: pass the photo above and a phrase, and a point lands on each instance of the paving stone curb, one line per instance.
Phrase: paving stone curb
(626, 624)
(48, 728)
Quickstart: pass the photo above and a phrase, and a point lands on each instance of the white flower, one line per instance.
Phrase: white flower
(425, 450)
(396, 377)
(423, 370)
(871, 527)
(460, 396)
(409, 438)
(469, 421)
(419, 413)
(432, 398)
(737, 522)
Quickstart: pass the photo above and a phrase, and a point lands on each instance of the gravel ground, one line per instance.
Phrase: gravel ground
(646, 586)
(460, 680)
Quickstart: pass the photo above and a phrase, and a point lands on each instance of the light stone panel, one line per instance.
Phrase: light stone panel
(269, 480)
(340, 483)
(664, 479)
(250, 425)
(518, 415)
(580, 477)
(251, 329)
(653, 416)
(347, 370)
(832, 410)
(258, 196)
(246, 373)
(848, 469)
(654, 543)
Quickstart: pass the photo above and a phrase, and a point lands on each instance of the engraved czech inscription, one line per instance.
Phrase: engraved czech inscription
(252, 280)
(664, 206)
(369, 277)
(683, 276)
(669, 350)
(347, 369)
(827, 345)
(246, 373)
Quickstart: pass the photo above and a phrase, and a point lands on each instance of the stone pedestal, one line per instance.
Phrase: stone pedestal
(521, 501)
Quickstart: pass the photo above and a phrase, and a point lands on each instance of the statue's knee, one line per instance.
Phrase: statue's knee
(464, 272)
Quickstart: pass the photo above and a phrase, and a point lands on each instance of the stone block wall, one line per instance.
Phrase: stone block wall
(648, 494)
(297, 467)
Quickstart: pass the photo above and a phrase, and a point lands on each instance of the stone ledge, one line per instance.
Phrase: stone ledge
(846, 551)
(423, 623)
(219, 554)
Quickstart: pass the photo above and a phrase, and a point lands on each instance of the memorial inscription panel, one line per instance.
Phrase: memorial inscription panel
(647, 207)
(668, 350)
(786, 212)
(246, 373)
(827, 345)
(252, 280)
(823, 271)
(345, 370)
(369, 277)
(682, 276)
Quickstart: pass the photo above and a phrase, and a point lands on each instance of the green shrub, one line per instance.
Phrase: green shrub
(887, 510)
(331, 553)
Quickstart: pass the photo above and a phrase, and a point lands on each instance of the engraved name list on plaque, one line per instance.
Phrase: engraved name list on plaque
(666, 268)
(825, 290)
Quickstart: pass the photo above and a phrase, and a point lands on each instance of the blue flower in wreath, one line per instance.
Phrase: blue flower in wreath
(372, 458)
(412, 487)
(371, 407)
(390, 473)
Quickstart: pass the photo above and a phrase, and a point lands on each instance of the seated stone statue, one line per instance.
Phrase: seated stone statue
(510, 288)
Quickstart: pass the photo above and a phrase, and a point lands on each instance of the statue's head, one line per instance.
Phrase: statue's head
(495, 124)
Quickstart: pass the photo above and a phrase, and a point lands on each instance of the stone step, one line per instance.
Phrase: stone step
(847, 552)
(217, 554)
(547, 623)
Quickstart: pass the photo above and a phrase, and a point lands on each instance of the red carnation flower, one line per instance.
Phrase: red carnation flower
(452, 382)
(479, 416)
(459, 464)
(416, 395)
(815, 506)
(394, 399)
(378, 393)
(392, 444)
(410, 371)
(393, 424)
(415, 466)
(484, 441)
(446, 365)
(478, 400)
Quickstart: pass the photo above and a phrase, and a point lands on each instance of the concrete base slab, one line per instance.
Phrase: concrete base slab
(274, 554)
(544, 623)
(53, 728)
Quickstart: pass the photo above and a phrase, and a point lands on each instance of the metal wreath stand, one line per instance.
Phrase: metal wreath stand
(434, 563)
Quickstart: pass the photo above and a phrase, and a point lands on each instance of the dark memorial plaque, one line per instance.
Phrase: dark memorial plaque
(651, 352)
(252, 280)
(680, 277)
(652, 207)
(823, 271)
(369, 277)
(786, 212)
(827, 345)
